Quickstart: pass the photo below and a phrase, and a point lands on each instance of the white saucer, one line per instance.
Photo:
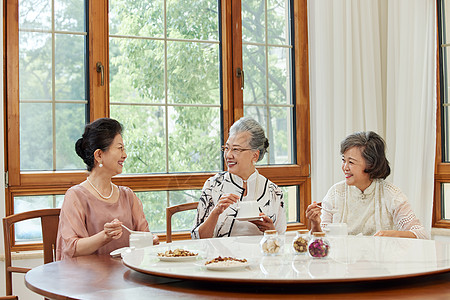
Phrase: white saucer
(118, 252)
(177, 258)
(218, 267)
(249, 218)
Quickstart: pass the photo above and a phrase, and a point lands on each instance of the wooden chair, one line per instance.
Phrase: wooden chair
(49, 222)
(172, 210)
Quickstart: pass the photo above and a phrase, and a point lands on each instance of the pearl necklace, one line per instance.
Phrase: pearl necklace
(104, 197)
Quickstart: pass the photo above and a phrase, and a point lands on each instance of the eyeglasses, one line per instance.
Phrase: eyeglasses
(234, 150)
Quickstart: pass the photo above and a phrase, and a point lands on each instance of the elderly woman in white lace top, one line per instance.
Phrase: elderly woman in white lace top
(367, 203)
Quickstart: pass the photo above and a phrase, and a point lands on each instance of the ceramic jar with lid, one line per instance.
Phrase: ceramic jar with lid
(300, 242)
(318, 246)
(270, 243)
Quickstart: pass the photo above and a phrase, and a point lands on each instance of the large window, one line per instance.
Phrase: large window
(52, 83)
(442, 177)
(165, 83)
(176, 74)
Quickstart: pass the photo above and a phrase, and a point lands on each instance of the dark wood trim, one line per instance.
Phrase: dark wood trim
(227, 68)
(302, 86)
(238, 94)
(280, 174)
(442, 170)
(12, 90)
(98, 52)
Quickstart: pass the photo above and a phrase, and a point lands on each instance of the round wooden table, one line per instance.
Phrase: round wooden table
(104, 277)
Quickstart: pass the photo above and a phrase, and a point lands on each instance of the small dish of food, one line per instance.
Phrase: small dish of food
(177, 255)
(226, 264)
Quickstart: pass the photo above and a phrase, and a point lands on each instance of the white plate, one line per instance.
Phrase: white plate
(234, 267)
(118, 252)
(248, 218)
(177, 259)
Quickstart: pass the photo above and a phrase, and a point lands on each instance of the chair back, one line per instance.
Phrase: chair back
(172, 210)
(49, 223)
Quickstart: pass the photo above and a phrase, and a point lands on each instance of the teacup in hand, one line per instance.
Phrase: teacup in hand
(248, 209)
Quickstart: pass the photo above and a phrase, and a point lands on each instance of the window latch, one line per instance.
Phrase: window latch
(240, 74)
(101, 70)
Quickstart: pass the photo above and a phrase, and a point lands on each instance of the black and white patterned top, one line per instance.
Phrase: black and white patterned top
(268, 195)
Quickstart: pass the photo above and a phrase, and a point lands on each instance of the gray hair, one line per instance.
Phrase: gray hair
(258, 140)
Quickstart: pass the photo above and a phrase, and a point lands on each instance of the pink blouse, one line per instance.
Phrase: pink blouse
(83, 215)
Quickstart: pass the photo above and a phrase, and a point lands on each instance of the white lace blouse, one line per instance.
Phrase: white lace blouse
(382, 206)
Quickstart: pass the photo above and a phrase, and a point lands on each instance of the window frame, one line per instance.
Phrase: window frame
(57, 182)
(442, 169)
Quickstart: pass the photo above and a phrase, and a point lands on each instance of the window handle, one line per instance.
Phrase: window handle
(240, 74)
(101, 70)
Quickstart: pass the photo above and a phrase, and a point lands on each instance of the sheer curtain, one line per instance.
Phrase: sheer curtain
(372, 67)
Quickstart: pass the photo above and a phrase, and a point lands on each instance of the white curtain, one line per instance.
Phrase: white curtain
(373, 67)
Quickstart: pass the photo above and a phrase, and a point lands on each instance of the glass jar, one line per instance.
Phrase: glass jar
(270, 243)
(301, 240)
(318, 246)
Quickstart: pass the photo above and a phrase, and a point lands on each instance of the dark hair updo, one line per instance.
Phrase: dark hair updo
(97, 135)
(372, 148)
(258, 140)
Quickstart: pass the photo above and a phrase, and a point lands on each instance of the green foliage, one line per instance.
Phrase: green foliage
(268, 75)
(39, 122)
(167, 137)
(155, 204)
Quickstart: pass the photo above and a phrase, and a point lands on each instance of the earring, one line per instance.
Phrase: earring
(254, 163)
(100, 165)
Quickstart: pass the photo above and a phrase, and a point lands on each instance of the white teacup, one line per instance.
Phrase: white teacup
(337, 229)
(141, 240)
(248, 209)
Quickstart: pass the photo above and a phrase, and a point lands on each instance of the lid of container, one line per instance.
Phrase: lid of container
(303, 231)
(270, 231)
(319, 233)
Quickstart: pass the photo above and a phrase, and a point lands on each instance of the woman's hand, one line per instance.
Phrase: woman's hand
(113, 229)
(88, 245)
(265, 224)
(396, 233)
(155, 240)
(313, 213)
(224, 202)
(206, 230)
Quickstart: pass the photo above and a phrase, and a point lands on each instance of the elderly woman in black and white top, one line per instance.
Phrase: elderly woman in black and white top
(217, 207)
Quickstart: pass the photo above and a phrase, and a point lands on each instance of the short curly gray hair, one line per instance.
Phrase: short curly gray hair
(258, 140)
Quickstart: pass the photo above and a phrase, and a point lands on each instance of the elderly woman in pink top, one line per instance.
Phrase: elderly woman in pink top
(364, 200)
(93, 211)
